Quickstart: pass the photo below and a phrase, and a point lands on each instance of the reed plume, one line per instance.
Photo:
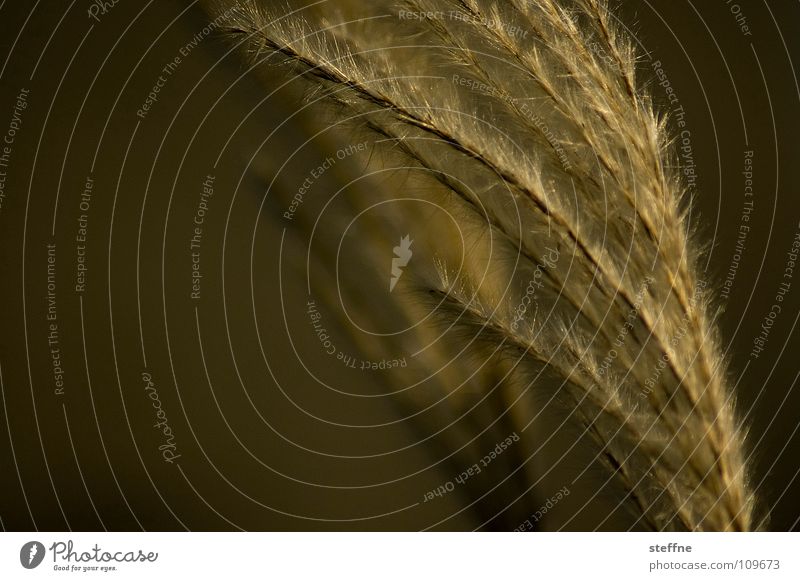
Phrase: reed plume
(526, 120)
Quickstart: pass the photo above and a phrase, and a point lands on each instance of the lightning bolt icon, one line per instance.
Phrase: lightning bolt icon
(402, 254)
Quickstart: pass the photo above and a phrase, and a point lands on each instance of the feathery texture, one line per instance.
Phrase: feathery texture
(527, 120)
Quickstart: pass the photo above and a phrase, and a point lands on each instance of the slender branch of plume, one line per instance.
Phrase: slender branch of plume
(527, 118)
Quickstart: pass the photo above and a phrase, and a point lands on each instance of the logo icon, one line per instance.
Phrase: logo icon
(31, 554)
(402, 255)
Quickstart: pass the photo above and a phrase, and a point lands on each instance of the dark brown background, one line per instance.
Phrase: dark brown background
(105, 472)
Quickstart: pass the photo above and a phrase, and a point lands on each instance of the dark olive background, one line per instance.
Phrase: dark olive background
(88, 459)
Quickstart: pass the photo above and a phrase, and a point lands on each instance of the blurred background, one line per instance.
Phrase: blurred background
(159, 361)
